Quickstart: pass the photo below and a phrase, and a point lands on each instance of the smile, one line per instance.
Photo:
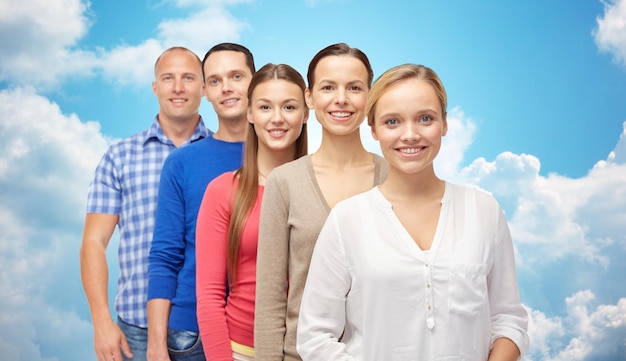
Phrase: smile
(230, 101)
(340, 114)
(410, 150)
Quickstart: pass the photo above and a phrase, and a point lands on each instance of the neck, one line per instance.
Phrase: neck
(268, 160)
(342, 151)
(231, 130)
(178, 131)
(400, 185)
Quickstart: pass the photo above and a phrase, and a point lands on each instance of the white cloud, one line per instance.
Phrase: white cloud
(40, 41)
(201, 30)
(556, 216)
(610, 36)
(583, 333)
(47, 159)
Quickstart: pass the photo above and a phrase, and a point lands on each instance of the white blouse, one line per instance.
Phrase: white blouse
(373, 294)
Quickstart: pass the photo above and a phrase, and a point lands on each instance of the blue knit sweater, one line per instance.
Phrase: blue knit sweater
(172, 261)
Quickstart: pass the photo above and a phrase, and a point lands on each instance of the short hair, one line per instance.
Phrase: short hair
(339, 49)
(230, 47)
(398, 74)
(181, 48)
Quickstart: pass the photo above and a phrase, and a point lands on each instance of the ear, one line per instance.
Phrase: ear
(154, 87)
(308, 98)
(205, 92)
(445, 124)
(373, 130)
(306, 116)
(249, 116)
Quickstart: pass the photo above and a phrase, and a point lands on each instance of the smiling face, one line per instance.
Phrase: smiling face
(339, 93)
(178, 85)
(226, 83)
(409, 125)
(277, 111)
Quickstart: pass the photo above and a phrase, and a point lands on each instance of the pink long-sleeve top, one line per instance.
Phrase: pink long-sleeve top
(222, 320)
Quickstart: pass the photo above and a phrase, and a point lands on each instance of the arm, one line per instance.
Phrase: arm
(211, 255)
(272, 273)
(166, 257)
(322, 317)
(509, 319)
(504, 349)
(97, 232)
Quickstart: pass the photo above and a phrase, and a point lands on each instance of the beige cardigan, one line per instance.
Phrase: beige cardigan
(292, 214)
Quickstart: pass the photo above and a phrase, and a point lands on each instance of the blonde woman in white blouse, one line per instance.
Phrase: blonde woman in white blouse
(417, 268)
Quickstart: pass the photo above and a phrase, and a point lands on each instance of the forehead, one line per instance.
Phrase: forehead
(224, 62)
(340, 68)
(277, 90)
(178, 61)
(411, 93)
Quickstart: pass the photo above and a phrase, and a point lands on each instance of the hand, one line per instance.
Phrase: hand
(109, 341)
(157, 352)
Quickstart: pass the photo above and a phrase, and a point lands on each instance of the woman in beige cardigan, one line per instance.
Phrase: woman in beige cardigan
(299, 195)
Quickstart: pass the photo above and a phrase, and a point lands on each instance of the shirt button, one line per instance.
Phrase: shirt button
(428, 285)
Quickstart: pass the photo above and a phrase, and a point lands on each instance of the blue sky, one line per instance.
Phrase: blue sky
(537, 112)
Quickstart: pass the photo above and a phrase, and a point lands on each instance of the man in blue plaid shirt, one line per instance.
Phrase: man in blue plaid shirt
(123, 193)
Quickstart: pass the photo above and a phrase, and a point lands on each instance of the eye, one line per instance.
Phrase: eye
(290, 107)
(354, 88)
(264, 107)
(326, 88)
(237, 76)
(213, 82)
(425, 119)
(167, 78)
(189, 78)
(392, 121)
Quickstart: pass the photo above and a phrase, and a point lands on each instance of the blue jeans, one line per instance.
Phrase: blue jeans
(184, 346)
(137, 338)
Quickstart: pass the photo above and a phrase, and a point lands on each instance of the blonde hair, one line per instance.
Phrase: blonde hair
(398, 74)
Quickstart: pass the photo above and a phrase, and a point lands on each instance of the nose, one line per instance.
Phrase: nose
(179, 85)
(342, 97)
(277, 115)
(410, 132)
(226, 87)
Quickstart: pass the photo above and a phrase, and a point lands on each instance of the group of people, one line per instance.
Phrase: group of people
(240, 245)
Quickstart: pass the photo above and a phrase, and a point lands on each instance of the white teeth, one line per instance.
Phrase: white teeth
(178, 100)
(410, 150)
(340, 114)
(228, 101)
(277, 131)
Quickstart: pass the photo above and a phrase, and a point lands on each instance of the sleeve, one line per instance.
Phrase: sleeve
(211, 259)
(272, 272)
(105, 190)
(167, 251)
(323, 310)
(508, 317)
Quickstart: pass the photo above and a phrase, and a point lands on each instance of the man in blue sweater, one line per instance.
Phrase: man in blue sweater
(172, 322)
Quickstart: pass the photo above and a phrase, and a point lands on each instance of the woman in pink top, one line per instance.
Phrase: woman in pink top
(228, 220)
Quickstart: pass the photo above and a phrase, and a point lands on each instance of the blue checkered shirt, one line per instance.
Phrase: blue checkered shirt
(126, 183)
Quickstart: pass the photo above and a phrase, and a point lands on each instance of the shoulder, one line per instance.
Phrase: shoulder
(222, 182)
(355, 205)
(299, 166)
(483, 199)
(293, 172)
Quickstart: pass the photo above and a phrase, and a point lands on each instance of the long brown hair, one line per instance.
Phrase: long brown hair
(247, 191)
